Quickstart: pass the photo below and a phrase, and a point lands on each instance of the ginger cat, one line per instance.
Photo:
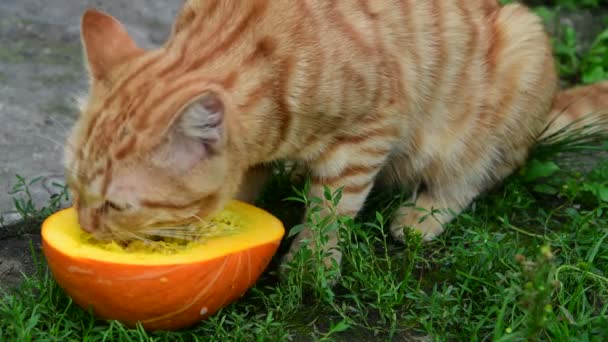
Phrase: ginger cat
(446, 97)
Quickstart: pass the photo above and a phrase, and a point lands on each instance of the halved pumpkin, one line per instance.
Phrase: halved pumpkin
(160, 289)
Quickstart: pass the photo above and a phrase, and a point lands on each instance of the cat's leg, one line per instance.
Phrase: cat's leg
(436, 205)
(428, 212)
(253, 182)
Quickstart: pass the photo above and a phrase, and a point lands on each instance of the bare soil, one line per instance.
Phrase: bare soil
(17, 259)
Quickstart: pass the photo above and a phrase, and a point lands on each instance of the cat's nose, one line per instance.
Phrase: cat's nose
(89, 219)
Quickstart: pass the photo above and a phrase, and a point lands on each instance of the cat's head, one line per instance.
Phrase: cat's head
(151, 146)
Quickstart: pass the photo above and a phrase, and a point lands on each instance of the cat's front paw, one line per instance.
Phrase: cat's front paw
(420, 222)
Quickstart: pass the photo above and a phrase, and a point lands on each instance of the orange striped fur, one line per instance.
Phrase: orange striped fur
(446, 96)
(581, 105)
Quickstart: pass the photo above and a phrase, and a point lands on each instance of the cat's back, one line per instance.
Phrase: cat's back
(434, 66)
(448, 70)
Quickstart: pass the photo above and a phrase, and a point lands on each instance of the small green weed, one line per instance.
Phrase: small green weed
(24, 203)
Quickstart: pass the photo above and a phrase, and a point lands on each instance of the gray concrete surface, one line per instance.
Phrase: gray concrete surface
(40, 72)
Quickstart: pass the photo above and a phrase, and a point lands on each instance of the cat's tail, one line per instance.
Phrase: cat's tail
(582, 109)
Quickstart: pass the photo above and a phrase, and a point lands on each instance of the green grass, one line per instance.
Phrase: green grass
(527, 261)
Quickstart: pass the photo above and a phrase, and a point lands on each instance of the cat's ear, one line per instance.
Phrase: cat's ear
(197, 134)
(106, 43)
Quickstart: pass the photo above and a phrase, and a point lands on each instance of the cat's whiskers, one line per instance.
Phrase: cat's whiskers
(169, 228)
(198, 218)
(124, 236)
(173, 235)
(180, 232)
(138, 237)
(185, 232)
(151, 221)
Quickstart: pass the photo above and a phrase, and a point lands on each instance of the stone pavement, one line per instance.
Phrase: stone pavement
(41, 70)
